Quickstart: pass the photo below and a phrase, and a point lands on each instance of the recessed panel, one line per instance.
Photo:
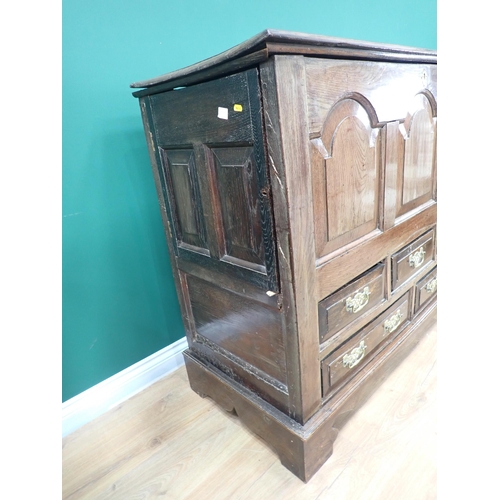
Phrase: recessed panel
(346, 177)
(237, 185)
(418, 144)
(249, 330)
(182, 182)
(351, 178)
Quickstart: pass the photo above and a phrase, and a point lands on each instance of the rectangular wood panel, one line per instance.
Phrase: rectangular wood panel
(247, 329)
(215, 172)
(204, 113)
(182, 182)
(237, 185)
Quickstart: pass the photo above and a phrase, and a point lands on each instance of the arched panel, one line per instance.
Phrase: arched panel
(416, 178)
(346, 176)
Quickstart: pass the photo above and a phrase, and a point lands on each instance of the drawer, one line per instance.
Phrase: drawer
(410, 260)
(345, 361)
(426, 289)
(351, 302)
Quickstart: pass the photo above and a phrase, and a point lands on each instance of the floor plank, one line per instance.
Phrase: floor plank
(169, 443)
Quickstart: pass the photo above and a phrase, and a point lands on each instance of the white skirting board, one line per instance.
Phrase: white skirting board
(109, 393)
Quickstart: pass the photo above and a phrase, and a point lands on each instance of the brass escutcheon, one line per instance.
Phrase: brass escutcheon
(356, 303)
(431, 287)
(355, 356)
(393, 322)
(416, 259)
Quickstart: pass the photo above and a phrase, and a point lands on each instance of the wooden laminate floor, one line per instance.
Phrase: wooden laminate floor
(169, 443)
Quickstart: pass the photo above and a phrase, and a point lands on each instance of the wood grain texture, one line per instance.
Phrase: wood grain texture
(300, 175)
(182, 182)
(389, 87)
(426, 289)
(416, 145)
(303, 449)
(337, 311)
(403, 268)
(249, 330)
(280, 201)
(392, 168)
(272, 41)
(349, 263)
(165, 210)
(214, 173)
(239, 194)
(166, 442)
(292, 104)
(336, 367)
(346, 176)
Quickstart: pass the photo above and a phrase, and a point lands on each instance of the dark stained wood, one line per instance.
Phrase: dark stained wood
(278, 181)
(349, 358)
(387, 90)
(205, 123)
(184, 191)
(416, 157)
(203, 74)
(338, 52)
(298, 198)
(292, 103)
(426, 289)
(351, 329)
(241, 287)
(261, 384)
(346, 177)
(249, 330)
(304, 448)
(214, 170)
(413, 259)
(348, 263)
(239, 195)
(165, 213)
(276, 41)
(352, 302)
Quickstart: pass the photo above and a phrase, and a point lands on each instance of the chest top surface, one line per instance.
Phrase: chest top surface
(275, 42)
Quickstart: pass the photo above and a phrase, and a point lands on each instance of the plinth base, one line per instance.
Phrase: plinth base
(303, 449)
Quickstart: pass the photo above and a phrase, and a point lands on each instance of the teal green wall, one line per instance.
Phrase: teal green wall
(119, 302)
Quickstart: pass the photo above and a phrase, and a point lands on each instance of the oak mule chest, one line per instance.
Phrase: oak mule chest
(296, 176)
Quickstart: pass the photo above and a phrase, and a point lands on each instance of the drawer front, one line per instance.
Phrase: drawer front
(345, 361)
(409, 261)
(426, 289)
(351, 302)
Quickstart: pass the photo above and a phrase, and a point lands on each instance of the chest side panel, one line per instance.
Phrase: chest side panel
(212, 170)
(213, 164)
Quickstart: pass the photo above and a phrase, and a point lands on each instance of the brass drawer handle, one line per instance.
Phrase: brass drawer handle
(431, 287)
(416, 259)
(356, 303)
(393, 322)
(355, 356)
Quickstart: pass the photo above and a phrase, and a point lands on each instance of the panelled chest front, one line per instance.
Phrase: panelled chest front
(296, 176)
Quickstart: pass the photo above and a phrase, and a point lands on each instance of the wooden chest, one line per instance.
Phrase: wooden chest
(296, 176)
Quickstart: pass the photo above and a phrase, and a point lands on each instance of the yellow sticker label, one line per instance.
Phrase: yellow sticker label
(238, 107)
